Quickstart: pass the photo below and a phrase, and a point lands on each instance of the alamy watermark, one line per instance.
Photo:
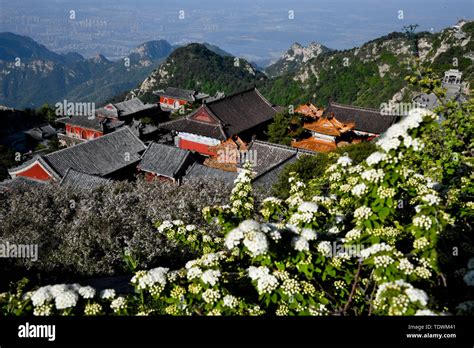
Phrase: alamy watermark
(236, 156)
(352, 250)
(66, 108)
(398, 109)
(21, 251)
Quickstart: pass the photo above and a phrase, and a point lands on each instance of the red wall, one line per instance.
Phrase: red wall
(203, 116)
(89, 133)
(194, 146)
(170, 101)
(152, 177)
(36, 172)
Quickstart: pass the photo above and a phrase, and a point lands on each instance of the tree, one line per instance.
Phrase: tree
(284, 128)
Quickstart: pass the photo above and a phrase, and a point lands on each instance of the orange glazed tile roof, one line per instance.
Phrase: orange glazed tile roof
(329, 126)
(310, 110)
(313, 144)
(215, 163)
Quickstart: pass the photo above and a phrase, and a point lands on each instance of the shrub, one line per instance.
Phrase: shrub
(85, 233)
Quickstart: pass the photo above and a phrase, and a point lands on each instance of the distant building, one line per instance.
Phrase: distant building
(114, 155)
(165, 163)
(452, 82)
(326, 134)
(175, 98)
(367, 121)
(244, 114)
(78, 129)
(23, 131)
(341, 125)
(40, 134)
(111, 117)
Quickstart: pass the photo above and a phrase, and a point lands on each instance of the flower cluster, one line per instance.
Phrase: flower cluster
(265, 281)
(399, 298)
(250, 234)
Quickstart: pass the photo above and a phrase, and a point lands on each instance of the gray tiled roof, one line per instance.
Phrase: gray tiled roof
(41, 132)
(125, 108)
(366, 119)
(242, 111)
(429, 101)
(270, 159)
(200, 171)
(96, 123)
(267, 155)
(270, 177)
(132, 106)
(183, 94)
(235, 113)
(18, 182)
(78, 180)
(194, 127)
(164, 160)
(100, 156)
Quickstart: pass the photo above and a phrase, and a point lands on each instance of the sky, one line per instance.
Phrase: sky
(260, 30)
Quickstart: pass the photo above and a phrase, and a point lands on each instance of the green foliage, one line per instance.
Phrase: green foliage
(284, 128)
(313, 167)
(7, 160)
(195, 67)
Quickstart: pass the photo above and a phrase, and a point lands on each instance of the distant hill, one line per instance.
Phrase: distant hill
(371, 74)
(27, 67)
(295, 58)
(198, 68)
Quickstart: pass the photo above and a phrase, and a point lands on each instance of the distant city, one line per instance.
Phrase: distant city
(259, 30)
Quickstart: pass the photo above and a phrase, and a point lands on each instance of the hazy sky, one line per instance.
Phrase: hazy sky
(257, 29)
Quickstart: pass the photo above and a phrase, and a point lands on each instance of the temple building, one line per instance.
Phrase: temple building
(342, 125)
(243, 115)
(268, 161)
(165, 163)
(78, 129)
(452, 82)
(326, 134)
(309, 110)
(175, 98)
(114, 155)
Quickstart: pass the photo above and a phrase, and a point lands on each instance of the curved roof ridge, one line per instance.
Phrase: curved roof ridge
(347, 106)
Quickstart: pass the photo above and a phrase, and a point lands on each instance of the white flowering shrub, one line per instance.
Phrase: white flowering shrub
(364, 239)
(86, 233)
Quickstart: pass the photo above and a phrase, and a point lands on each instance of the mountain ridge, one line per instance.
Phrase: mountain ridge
(27, 66)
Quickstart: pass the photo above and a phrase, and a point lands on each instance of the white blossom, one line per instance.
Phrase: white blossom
(308, 207)
(86, 292)
(41, 296)
(66, 299)
(230, 301)
(107, 294)
(300, 244)
(376, 157)
(325, 248)
(344, 161)
(359, 190)
(362, 213)
(211, 277)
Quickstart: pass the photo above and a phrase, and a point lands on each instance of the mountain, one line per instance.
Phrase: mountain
(217, 50)
(295, 57)
(373, 73)
(196, 67)
(26, 67)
